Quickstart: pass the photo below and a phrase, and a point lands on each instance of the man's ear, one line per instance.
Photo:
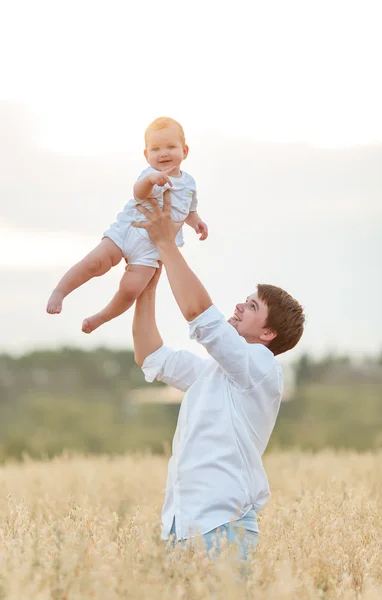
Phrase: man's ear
(185, 151)
(268, 335)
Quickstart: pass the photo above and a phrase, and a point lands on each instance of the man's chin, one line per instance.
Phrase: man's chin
(232, 321)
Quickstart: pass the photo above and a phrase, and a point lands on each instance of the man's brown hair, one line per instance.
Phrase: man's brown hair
(285, 316)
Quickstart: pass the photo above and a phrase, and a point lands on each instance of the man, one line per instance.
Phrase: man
(216, 480)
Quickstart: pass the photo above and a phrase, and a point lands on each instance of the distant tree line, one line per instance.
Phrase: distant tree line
(308, 369)
(69, 371)
(72, 371)
(76, 400)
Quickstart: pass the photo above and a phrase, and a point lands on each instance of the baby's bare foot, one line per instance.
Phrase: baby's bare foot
(54, 305)
(92, 323)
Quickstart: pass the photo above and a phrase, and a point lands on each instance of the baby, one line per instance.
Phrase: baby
(165, 149)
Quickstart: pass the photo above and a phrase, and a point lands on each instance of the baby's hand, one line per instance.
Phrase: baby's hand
(162, 177)
(202, 228)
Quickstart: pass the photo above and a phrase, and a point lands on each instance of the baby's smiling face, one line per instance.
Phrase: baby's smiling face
(165, 149)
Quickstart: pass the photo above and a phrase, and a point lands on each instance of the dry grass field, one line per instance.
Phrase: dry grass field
(77, 528)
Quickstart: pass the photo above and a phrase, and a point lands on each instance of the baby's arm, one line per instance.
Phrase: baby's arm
(194, 221)
(143, 188)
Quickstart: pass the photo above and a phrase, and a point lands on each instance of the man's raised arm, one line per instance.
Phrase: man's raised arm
(178, 368)
(245, 364)
(190, 294)
(146, 336)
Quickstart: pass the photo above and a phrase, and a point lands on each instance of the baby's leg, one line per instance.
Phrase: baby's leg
(131, 286)
(96, 263)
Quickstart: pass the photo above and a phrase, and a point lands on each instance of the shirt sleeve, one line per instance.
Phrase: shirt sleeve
(178, 368)
(244, 364)
(194, 201)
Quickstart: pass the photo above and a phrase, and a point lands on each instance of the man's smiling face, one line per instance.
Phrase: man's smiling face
(249, 320)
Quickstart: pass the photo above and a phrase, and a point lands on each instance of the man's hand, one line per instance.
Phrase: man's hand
(159, 225)
(162, 177)
(202, 228)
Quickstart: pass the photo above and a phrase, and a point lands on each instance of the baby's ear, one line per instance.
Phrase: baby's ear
(185, 151)
(145, 154)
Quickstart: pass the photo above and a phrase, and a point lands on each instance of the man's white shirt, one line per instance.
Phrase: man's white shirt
(226, 418)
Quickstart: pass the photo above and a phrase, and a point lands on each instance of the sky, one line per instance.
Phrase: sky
(280, 102)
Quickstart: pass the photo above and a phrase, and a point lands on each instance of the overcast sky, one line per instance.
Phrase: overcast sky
(280, 103)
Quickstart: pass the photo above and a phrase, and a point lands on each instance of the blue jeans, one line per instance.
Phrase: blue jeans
(241, 531)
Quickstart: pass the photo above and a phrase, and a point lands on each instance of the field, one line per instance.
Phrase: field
(76, 528)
